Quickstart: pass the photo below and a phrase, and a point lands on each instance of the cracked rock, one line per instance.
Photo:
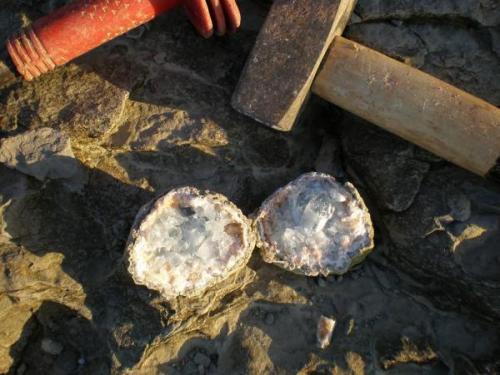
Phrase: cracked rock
(483, 12)
(43, 153)
(447, 51)
(51, 347)
(142, 127)
(386, 163)
(451, 234)
(69, 99)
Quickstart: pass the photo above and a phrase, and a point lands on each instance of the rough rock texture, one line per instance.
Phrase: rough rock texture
(455, 40)
(90, 109)
(386, 163)
(43, 153)
(483, 12)
(150, 113)
(447, 232)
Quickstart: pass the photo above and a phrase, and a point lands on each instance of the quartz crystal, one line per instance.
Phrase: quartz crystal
(324, 331)
(315, 225)
(186, 241)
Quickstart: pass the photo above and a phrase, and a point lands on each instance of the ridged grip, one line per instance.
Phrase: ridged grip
(29, 55)
(77, 28)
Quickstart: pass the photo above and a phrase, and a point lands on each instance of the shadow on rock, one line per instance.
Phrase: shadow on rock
(281, 338)
(58, 340)
(87, 233)
(178, 121)
(52, 233)
(166, 62)
(378, 330)
(177, 129)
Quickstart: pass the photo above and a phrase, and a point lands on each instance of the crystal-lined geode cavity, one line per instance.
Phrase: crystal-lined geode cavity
(314, 226)
(186, 241)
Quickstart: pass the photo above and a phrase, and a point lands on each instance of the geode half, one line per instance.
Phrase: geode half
(314, 226)
(186, 241)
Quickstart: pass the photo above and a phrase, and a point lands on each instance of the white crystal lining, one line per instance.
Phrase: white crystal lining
(314, 225)
(188, 241)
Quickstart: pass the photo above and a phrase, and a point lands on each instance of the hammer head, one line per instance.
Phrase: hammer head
(281, 68)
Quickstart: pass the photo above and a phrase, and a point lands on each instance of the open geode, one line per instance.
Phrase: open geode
(314, 226)
(186, 241)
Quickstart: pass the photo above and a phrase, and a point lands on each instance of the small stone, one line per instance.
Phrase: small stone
(460, 207)
(136, 33)
(21, 369)
(51, 347)
(316, 300)
(328, 159)
(324, 331)
(81, 361)
(202, 359)
(321, 282)
(355, 19)
(159, 58)
(269, 319)
(350, 327)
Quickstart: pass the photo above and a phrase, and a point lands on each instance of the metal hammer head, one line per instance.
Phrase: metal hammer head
(283, 63)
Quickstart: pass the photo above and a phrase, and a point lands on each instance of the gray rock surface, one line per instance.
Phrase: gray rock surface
(482, 12)
(426, 301)
(457, 41)
(43, 153)
(388, 165)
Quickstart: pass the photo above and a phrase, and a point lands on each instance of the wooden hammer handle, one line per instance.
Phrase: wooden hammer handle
(418, 107)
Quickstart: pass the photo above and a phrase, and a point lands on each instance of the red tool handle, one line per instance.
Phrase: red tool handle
(76, 29)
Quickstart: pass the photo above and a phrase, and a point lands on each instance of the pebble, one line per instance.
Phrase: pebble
(21, 369)
(350, 327)
(202, 359)
(460, 207)
(269, 319)
(324, 331)
(136, 33)
(159, 58)
(51, 347)
(355, 19)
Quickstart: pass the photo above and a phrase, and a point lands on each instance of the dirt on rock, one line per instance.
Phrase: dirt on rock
(150, 111)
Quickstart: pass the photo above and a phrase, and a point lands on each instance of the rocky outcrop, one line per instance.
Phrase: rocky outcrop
(43, 153)
(447, 230)
(151, 112)
(456, 41)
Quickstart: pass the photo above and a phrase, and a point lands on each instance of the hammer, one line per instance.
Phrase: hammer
(83, 25)
(299, 49)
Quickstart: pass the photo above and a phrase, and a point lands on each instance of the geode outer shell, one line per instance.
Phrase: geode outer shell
(168, 251)
(314, 226)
